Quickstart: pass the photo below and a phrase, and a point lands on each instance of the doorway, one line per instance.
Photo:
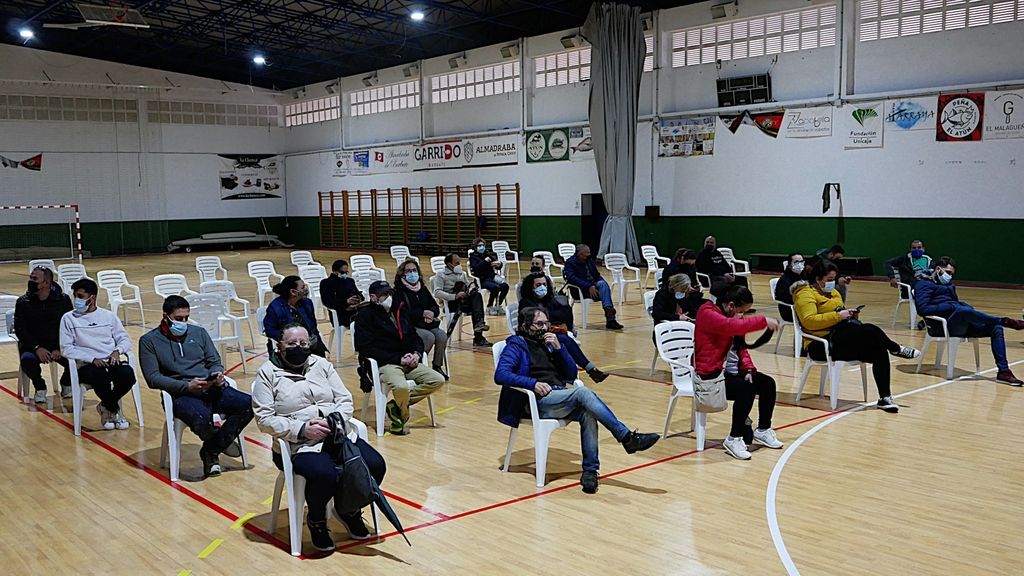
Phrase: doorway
(592, 216)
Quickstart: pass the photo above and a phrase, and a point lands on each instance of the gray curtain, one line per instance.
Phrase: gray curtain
(615, 33)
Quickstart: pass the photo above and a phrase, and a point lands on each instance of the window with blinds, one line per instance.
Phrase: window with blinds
(884, 19)
(390, 98)
(311, 111)
(572, 66)
(476, 82)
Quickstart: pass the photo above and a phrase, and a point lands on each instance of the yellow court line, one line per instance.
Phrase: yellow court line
(241, 521)
(209, 549)
(443, 410)
(268, 501)
(473, 400)
(184, 573)
(418, 420)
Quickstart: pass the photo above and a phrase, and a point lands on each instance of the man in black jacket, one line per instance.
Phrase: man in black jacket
(37, 316)
(910, 267)
(683, 262)
(387, 335)
(338, 292)
(794, 272)
(711, 262)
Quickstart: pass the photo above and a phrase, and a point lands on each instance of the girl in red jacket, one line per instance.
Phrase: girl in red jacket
(717, 327)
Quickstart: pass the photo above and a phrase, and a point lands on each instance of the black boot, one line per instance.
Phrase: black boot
(597, 375)
(320, 535)
(638, 442)
(589, 481)
(609, 319)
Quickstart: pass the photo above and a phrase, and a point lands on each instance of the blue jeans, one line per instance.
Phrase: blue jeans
(582, 405)
(604, 293)
(32, 368)
(575, 351)
(967, 321)
(197, 412)
(498, 292)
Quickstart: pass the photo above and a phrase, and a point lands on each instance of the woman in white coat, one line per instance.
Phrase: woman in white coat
(291, 397)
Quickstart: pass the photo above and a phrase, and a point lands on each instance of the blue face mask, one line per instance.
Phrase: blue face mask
(541, 291)
(830, 286)
(680, 295)
(81, 306)
(480, 249)
(916, 253)
(412, 277)
(945, 278)
(178, 328)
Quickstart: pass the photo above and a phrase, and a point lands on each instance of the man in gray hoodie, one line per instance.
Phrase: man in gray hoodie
(181, 359)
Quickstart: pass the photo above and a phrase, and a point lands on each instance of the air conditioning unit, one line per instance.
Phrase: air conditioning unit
(371, 80)
(573, 41)
(727, 10)
(411, 71)
(332, 88)
(648, 23)
(744, 90)
(457, 62)
(510, 51)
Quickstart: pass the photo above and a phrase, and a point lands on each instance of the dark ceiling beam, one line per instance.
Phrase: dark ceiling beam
(53, 5)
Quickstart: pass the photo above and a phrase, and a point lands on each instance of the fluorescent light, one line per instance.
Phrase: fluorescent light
(26, 33)
(259, 60)
(416, 15)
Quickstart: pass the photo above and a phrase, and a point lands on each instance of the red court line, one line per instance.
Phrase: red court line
(613, 373)
(197, 497)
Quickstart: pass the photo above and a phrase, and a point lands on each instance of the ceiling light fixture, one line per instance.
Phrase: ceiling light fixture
(26, 33)
(417, 15)
(259, 60)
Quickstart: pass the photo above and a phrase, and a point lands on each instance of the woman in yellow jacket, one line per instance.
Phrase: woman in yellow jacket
(821, 312)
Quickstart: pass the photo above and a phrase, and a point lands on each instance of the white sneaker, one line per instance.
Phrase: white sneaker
(736, 448)
(65, 391)
(888, 404)
(106, 419)
(767, 438)
(120, 422)
(907, 352)
(40, 397)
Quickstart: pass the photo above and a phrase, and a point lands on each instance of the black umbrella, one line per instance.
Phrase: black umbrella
(387, 510)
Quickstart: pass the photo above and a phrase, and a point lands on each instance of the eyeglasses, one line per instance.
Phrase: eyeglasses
(542, 324)
(294, 345)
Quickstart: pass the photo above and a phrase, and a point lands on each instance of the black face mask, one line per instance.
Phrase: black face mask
(534, 269)
(296, 356)
(33, 286)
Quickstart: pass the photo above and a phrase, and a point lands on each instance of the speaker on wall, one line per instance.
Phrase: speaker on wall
(652, 212)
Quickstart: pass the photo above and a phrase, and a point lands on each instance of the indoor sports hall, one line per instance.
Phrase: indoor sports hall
(368, 287)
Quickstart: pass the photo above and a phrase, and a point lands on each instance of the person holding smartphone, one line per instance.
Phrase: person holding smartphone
(821, 312)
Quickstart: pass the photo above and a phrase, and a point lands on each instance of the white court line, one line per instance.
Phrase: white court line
(773, 481)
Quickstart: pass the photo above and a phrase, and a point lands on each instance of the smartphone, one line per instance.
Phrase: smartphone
(212, 377)
(861, 307)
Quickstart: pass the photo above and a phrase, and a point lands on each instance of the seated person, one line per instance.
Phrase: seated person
(385, 333)
(180, 358)
(463, 297)
(535, 359)
(821, 312)
(683, 262)
(676, 301)
(793, 273)
(37, 316)
(711, 262)
(292, 306)
(338, 292)
(423, 311)
(292, 394)
(95, 337)
(907, 268)
(537, 265)
(536, 291)
(718, 326)
(486, 266)
(835, 255)
(936, 296)
(581, 271)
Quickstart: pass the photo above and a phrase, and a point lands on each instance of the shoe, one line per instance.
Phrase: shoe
(888, 404)
(611, 324)
(589, 481)
(121, 423)
(921, 325)
(481, 327)
(234, 450)
(320, 536)
(481, 341)
(597, 375)
(490, 311)
(211, 464)
(501, 310)
(736, 448)
(748, 431)
(40, 397)
(65, 391)
(1008, 377)
(907, 352)
(357, 529)
(767, 438)
(106, 418)
(1012, 323)
(638, 442)
(397, 425)
(441, 371)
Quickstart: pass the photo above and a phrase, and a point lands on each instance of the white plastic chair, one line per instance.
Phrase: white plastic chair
(7, 304)
(210, 311)
(363, 279)
(45, 263)
(262, 271)
(833, 367)
(312, 274)
(484, 292)
(437, 264)
(226, 289)
(705, 283)
(294, 487)
(618, 265)
(359, 262)
(565, 251)
(78, 394)
(512, 317)
(69, 274)
(503, 250)
(170, 444)
(733, 262)
(909, 300)
(674, 341)
(650, 254)
(936, 324)
(380, 399)
(337, 338)
(783, 323)
(209, 268)
(171, 285)
(261, 313)
(114, 283)
(449, 316)
(542, 427)
(549, 261)
(648, 304)
(401, 254)
(302, 258)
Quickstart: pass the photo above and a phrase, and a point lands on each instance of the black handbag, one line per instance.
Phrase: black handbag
(355, 485)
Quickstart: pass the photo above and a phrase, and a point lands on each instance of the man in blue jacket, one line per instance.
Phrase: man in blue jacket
(535, 360)
(581, 271)
(935, 295)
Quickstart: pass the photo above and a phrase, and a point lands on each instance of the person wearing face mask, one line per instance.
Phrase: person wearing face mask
(338, 292)
(534, 359)
(907, 268)
(835, 255)
(424, 312)
(537, 265)
(292, 394)
(683, 262)
(821, 312)
(385, 332)
(581, 271)
(675, 301)
(463, 297)
(486, 266)
(935, 295)
(181, 359)
(711, 262)
(718, 327)
(37, 316)
(794, 273)
(536, 292)
(95, 337)
(292, 306)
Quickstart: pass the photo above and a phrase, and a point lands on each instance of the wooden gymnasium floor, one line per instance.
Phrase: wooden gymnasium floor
(932, 490)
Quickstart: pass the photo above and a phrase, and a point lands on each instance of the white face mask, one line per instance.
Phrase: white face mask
(386, 303)
(797, 267)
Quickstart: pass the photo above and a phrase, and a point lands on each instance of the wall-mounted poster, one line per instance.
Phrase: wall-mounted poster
(1005, 116)
(807, 122)
(959, 117)
(581, 146)
(687, 137)
(916, 113)
(484, 151)
(339, 164)
(392, 159)
(547, 145)
(863, 125)
(247, 176)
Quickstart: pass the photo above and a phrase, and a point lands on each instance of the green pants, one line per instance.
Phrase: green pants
(409, 386)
